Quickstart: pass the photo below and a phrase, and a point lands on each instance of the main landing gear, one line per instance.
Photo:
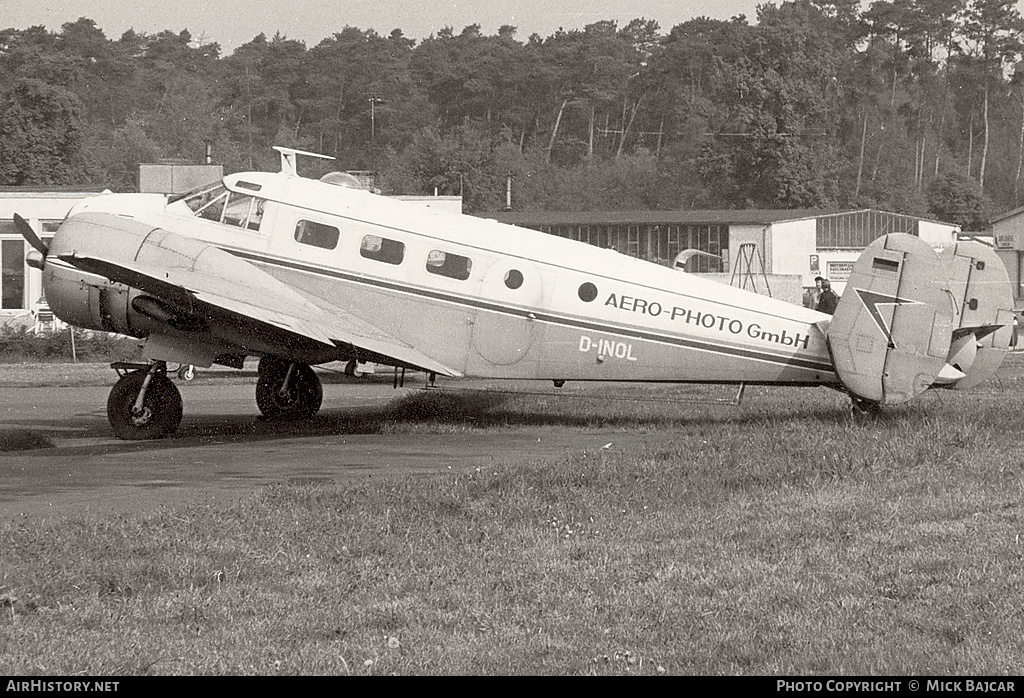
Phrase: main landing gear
(287, 390)
(144, 404)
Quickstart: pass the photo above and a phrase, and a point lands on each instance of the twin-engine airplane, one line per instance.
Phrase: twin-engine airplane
(301, 272)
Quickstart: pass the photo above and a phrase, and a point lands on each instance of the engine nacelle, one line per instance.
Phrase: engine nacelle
(92, 302)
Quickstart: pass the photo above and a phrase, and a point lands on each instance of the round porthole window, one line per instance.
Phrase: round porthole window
(514, 278)
(588, 292)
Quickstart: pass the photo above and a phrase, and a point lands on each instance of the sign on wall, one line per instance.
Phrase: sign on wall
(839, 271)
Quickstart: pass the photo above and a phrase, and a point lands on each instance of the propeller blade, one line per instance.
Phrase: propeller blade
(26, 232)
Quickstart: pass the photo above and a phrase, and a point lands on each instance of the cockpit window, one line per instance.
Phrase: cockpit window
(213, 210)
(238, 209)
(215, 203)
(201, 197)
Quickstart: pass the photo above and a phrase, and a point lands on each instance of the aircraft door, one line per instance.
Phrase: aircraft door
(505, 326)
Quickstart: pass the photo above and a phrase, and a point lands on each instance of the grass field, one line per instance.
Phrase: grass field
(777, 537)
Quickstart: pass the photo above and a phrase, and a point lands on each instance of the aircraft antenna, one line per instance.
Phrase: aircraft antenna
(288, 159)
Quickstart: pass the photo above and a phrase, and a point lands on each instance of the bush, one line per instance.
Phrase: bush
(19, 345)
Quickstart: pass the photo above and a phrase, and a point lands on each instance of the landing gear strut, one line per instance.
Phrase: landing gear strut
(287, 390)
(864, 409)
(144, 404)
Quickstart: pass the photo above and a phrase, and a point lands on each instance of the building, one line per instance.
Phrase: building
(21, 289)
(1008, 237)
(787, 248)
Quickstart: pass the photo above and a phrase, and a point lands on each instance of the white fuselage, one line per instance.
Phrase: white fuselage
(494, 300)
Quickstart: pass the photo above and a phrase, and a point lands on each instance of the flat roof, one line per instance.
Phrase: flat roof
(740, 216)
(50, 191)
(750, 216)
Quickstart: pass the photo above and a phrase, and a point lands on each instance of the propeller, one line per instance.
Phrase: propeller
(26, 232)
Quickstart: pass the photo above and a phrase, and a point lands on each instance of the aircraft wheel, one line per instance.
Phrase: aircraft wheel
(271, 363)
(300, 400)
(161, 408)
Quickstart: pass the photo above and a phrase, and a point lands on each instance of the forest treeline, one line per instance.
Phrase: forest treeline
(912, 106)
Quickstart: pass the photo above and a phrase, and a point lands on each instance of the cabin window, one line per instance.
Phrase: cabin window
(513, 279)
(316, 234)
(382, 249)
(587, 292)
(453, 266)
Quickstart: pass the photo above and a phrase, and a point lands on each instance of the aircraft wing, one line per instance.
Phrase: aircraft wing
(262, 299)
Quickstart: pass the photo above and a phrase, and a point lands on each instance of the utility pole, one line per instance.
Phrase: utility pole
(374, 101)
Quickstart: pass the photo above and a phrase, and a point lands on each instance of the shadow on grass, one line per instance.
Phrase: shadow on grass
(22, 440)
(444, 411)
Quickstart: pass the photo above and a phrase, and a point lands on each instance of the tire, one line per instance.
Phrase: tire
(271, 363)
(161, 407)
(302, 399)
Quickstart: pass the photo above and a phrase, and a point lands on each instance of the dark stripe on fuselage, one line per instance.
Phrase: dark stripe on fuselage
(535, 315)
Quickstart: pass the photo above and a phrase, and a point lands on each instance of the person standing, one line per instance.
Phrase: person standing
(827, 300)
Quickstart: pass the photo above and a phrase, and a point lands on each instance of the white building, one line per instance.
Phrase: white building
(21, 290)
(1008, 235)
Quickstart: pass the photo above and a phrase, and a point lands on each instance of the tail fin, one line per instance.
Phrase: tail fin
(911, 319)
(892, 329)
(983, 299)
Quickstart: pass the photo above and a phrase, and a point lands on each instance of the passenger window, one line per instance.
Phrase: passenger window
(382, 249)
(514, 279)
(453, 266)
(317, 234)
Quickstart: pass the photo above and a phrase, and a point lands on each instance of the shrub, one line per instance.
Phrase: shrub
(19, 345)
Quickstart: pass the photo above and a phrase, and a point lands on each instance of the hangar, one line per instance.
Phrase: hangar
(783, 249)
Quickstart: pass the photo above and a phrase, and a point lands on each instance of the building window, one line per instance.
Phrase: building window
(453, 266)
(317, 234)
(12, 275)
(382, 249)
(857, 229)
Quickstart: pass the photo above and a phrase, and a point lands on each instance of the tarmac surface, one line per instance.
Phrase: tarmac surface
(223, 449)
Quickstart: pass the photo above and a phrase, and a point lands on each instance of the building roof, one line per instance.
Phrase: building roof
(1008, 214)
(744, 216)
(747, 216)
(49, 190)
